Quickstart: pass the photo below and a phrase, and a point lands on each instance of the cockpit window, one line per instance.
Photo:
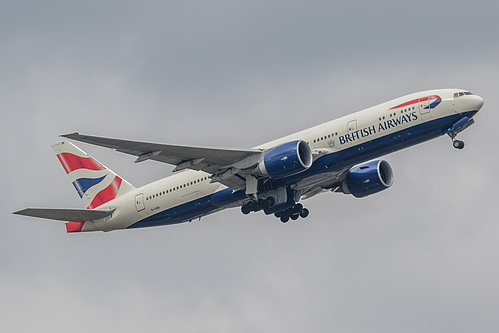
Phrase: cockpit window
(462, 93)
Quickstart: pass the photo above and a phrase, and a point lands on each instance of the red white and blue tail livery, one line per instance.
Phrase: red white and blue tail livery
(95, 183)
(338, 156)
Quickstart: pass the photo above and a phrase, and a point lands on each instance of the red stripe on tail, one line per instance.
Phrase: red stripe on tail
(71, 162)
(107, 194)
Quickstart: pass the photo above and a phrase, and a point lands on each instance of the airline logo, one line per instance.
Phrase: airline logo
(95, 184)
(429, 102)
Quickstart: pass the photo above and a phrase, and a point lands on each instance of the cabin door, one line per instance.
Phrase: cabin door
(139, 202)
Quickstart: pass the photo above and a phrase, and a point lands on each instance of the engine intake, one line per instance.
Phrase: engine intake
(367, 179)
(286, 160)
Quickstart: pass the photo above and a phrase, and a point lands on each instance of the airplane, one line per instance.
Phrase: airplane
(337, 156)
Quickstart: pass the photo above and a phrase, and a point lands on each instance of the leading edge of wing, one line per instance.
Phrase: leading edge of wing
(62, 214)
(166, 153)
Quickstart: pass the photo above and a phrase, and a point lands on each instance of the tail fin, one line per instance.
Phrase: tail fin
(95, 183)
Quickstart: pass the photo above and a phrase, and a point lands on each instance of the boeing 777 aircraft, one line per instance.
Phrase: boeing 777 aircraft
(274, 177)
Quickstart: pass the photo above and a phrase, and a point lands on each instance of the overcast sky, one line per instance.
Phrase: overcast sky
(420, 257)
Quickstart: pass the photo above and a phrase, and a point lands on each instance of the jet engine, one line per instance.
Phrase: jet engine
(368, 178)
(286, 160)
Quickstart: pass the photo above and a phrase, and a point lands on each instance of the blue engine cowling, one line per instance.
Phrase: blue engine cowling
(287, 159)
(367, 179)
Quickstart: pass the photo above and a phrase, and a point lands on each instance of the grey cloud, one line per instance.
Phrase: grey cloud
(420, 256)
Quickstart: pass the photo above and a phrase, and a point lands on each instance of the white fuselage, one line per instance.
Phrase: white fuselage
(351, 139)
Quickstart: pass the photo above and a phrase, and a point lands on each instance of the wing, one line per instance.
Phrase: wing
(226, 165)
(321, 183)
(73, 215)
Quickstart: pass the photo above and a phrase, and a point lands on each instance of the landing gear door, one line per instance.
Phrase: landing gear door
(139, 202)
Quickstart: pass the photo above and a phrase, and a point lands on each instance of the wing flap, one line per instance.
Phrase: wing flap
(73, 215)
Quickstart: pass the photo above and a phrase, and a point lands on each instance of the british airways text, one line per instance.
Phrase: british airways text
(382, 126)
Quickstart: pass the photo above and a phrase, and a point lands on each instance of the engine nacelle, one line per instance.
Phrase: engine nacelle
(367, 179)
(286, 160)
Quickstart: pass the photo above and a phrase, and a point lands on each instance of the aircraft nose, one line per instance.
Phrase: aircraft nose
(477, 102)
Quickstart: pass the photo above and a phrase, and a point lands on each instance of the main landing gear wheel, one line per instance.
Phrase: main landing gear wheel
(255, 206)
(292, 213)
(458, 144)
(245, 209)
(284, 219)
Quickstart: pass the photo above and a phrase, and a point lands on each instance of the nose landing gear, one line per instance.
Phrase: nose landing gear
(457, 128)
(458, 144)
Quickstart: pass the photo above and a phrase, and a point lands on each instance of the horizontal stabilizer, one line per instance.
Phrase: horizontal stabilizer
(73, 215)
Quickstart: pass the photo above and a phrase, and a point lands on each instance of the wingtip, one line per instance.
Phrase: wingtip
(19, 212)
(70, 135)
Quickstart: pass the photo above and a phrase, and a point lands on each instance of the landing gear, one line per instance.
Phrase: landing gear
(279, 201)
(255, 206)
(292, 213)
(458, 144)
(284, 219)
(245, 209)
(457, 128)
(267, 203)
